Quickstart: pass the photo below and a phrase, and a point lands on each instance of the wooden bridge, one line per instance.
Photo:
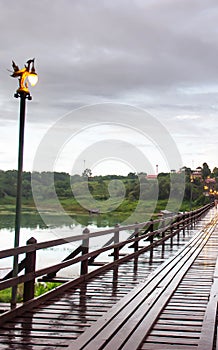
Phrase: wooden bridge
(158, 290)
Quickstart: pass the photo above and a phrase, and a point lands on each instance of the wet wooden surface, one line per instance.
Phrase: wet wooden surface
(60, 322)
(179, 326)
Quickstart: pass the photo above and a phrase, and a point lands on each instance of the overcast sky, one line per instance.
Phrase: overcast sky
(157, 57)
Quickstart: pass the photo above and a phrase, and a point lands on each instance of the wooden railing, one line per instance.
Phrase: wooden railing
(154, 232)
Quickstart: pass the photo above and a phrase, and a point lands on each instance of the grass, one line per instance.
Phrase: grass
(40, 288)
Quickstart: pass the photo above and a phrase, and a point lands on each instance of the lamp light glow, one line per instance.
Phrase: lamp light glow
(33, 79)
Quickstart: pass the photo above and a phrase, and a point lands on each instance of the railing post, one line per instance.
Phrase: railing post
(178, 233)
(136, 234)
(195, 219)
(30, 266)
(116, 240)
(151, 241)
(85, 250)
(163, 243)
(189, 220)
(115, 280)
(183, 224)
(192, 218)
(171, 237)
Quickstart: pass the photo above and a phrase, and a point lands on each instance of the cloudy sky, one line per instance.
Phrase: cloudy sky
(153, 61)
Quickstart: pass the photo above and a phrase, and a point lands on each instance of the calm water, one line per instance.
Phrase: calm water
(54, 227)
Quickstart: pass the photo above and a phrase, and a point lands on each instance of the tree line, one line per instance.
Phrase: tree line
(135, 186)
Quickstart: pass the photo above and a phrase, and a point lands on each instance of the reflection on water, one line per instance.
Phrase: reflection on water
(27, 220)
(34, 220)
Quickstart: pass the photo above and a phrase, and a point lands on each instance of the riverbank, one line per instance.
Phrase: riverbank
(128, 211)
(71, 206)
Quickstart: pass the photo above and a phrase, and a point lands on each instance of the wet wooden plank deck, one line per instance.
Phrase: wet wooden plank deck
(62, 321)
(179, 326)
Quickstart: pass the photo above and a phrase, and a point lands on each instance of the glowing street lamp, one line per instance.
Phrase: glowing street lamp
(27, 72)
(23, 92)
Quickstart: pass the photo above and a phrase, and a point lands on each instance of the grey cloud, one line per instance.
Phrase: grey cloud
(148, 53)
(100, 48)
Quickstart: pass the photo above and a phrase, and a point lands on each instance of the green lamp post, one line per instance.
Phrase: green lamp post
(23, 93)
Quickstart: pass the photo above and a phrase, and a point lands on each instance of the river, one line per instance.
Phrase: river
(33, 226)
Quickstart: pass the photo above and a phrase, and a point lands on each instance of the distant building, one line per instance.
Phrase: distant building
(151, 177)
(209, 187)
(197, 173)
(210, 183)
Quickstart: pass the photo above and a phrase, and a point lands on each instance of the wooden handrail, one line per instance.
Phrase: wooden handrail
(48, 244)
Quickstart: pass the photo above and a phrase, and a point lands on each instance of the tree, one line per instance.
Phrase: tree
(87, 173)
(2, 194)
(164, 186)
(215, 172)
(132, 175)
(205, 171)
(26, 189)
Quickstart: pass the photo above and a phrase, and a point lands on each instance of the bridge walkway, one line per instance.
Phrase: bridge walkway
(183, 322)
(174, 309)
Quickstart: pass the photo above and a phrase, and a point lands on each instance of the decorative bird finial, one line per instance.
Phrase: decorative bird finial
(29, 63)
(15, 67)
(28, 71)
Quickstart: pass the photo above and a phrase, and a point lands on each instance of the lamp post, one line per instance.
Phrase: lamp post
(23, 93)
(191, 189)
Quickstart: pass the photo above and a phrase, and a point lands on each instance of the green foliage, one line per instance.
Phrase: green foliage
(215, 172)
(2, 193)
(132, 176)
(71, 189)
(164, 186)
(205, 171)
(5, 295)
(87, 173)
(40, 288)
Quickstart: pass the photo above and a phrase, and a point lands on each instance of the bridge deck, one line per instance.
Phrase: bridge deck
(107, 306)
